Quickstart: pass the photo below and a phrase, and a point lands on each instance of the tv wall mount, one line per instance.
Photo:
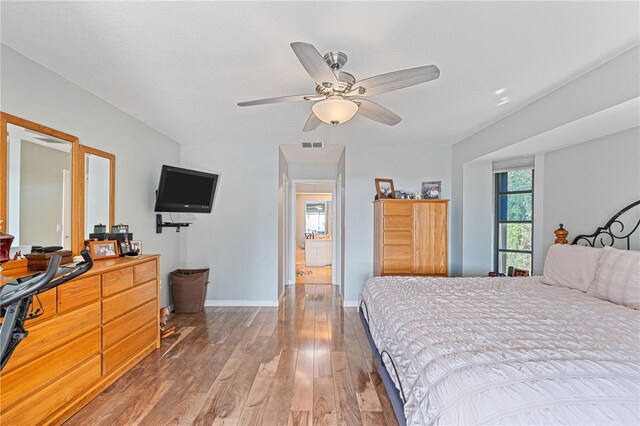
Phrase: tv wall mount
(160, 224)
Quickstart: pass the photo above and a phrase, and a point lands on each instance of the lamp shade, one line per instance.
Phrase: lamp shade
(335, 110)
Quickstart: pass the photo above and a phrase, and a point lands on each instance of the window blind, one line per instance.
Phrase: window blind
(513, 164)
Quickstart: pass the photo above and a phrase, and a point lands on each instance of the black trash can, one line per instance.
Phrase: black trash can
(189, 290)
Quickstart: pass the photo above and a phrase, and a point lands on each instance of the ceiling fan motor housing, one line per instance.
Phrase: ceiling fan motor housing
(336, 60)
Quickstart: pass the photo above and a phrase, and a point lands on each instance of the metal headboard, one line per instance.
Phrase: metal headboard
(613, 230)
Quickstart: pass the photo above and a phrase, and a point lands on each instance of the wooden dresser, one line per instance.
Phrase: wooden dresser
(94, 329)
(410, 237)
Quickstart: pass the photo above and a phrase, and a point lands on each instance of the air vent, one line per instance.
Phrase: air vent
(312, 144)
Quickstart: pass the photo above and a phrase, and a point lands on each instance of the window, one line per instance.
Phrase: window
(514, 220)
(316, 217)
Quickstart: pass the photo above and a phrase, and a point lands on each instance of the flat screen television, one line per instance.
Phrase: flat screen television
(184, 190)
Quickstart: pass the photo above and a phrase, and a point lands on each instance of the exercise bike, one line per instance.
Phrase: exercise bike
(16, 300)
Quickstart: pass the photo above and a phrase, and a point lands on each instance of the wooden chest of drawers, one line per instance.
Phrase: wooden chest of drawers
(93, 330)
(410, 237)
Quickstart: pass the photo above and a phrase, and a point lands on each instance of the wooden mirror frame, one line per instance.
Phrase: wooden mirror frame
(6, 119)
(112, 187)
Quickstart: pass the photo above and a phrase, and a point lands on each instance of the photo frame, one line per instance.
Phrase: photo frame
(106, 249)
(136, 246)
(431, 190)
(384, 189)
(517, 272)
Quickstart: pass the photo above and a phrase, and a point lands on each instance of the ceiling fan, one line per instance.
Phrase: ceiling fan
(339, 97)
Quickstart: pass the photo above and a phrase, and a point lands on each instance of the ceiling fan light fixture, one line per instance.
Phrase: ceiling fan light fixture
(335, 110)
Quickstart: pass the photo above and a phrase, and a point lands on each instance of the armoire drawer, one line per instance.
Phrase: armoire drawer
(397, 237)
(398, 223)
(398, 209)
(399, 252)
(390, 267)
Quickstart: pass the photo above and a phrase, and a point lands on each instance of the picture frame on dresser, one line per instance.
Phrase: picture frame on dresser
(385, 189)
(107, 249)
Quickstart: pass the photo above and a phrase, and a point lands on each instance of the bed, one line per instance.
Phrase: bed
(505, 350)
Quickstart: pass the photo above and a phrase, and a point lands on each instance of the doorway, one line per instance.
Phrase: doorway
(314, 226)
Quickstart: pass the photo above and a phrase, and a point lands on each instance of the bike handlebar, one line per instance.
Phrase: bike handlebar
(53, 277)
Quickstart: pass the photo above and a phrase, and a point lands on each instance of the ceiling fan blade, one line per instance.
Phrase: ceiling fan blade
(313, 62)
(375, 112)
(292, 98)
(397, 80)
(312, 123)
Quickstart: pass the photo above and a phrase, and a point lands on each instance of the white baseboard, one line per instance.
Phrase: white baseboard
(350, 304)
(240, 303)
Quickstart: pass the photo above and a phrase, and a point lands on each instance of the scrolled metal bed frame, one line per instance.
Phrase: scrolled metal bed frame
(613, 230)
(607, 235)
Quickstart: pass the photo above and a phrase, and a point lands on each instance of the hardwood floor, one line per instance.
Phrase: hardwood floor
(306, 362)
(318, 275)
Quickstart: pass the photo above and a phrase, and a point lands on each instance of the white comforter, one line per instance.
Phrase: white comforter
(506, 351)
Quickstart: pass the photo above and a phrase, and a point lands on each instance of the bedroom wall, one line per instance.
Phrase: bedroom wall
(36, 93)
(588, 183)
(602, 88)
(408, 166)
(239, 239)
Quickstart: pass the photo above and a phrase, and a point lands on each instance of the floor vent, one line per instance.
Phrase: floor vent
(312, 144)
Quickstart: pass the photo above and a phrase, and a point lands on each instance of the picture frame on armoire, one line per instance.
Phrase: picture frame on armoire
(384, 188)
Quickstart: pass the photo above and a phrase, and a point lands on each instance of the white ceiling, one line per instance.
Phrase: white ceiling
(181, 67)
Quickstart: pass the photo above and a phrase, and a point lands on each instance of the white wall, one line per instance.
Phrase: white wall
(477, 216)
(408, 166)
(604, 87)
(312, 171)
(35, 93)
(588, 183)
(239, 239)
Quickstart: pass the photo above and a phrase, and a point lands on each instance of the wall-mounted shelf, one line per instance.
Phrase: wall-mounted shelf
(160, 224)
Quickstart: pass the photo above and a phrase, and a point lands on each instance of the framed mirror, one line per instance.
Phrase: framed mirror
(39, 197)
(97, 189)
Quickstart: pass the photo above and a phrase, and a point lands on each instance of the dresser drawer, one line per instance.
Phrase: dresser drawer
(117, 281)
(37, 407)
(398, 208)
(123, 326)
(78, 292)
(49, 304)
(55, 332)
(144, 272)
(397, 237)
(391, 267)
(122, 303)
(117, 355)
(401, 252)
(23, 381)
(397, 223)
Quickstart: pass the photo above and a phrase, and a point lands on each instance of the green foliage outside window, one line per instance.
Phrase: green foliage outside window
(515, 207)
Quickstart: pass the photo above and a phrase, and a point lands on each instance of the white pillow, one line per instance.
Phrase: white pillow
(571, 266)
(618, 277)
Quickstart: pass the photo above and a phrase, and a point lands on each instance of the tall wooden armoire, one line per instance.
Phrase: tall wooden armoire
(410, 237)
